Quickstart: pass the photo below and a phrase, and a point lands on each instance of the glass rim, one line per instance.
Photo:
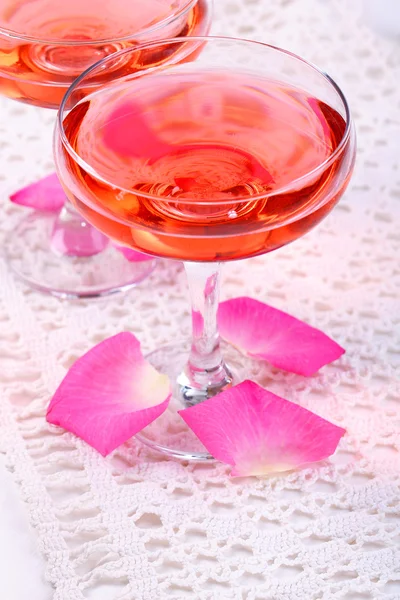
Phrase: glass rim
(291, 186)
(15, 35)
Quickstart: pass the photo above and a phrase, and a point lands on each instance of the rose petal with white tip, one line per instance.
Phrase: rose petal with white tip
(259, 433)
(110, 394)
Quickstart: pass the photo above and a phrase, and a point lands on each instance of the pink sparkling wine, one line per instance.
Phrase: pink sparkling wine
(40, 70)
(215, 152)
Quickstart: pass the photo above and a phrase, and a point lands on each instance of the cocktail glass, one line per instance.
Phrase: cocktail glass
(44, 46)
(241, 151)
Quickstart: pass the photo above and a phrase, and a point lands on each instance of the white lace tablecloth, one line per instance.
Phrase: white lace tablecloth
(136, 527)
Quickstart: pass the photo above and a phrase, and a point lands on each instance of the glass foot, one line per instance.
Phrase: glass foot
(169, 434)
(31, 255)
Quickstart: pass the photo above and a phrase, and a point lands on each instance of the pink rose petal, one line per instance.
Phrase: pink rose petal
(133, 255)
(258, 432)
(270, 334)
(46, 195)
(109, 394)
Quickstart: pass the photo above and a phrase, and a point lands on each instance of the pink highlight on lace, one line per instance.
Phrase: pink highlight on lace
(45, 195)
(270, 334)
(109, 394)
(258, 432)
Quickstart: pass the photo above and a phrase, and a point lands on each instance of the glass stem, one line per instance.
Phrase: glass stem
(73, 236)
(205, 374)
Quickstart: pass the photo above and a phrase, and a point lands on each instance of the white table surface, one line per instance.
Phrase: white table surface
(21, 565)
